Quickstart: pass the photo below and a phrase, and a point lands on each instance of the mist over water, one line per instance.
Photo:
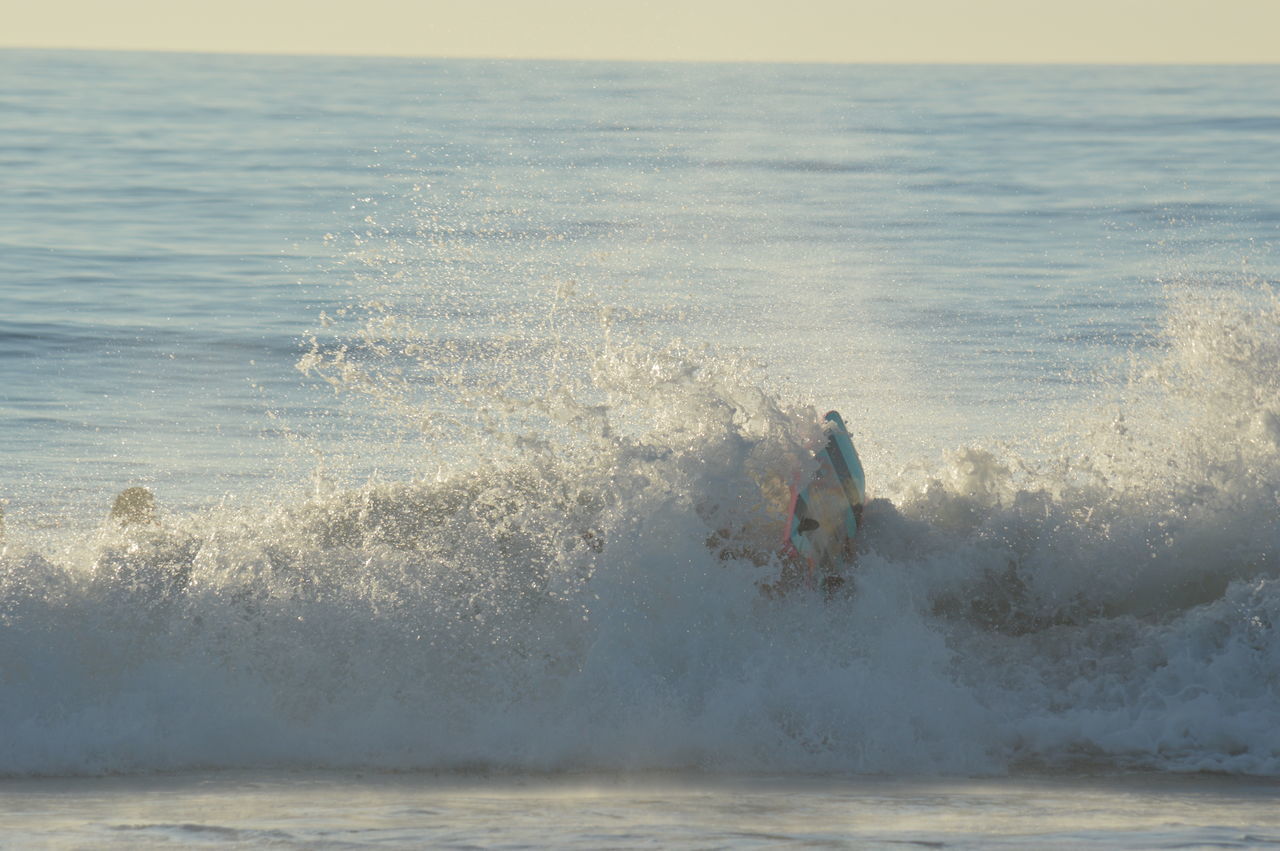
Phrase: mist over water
(505, 497)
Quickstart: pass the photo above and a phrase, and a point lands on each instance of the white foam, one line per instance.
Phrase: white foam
(554, 605)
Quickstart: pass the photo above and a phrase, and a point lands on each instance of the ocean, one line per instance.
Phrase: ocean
(463, 388)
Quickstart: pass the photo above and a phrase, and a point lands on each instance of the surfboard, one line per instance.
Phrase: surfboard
(823, 519)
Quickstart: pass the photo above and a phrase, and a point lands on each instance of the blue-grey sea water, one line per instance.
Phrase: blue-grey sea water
(463, 388)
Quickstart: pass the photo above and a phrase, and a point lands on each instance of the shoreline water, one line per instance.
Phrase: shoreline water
(365, 809)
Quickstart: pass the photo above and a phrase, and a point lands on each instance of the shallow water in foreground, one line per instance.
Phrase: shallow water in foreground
(353, 810)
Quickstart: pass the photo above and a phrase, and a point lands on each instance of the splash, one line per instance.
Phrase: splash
(1121, 587)
(563, 570)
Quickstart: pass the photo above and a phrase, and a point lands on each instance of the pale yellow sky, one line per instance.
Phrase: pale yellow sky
(1137, 31)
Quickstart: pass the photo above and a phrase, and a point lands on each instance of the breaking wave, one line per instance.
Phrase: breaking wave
(565, 574)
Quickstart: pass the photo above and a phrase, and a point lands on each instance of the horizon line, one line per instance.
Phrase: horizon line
(495, 57)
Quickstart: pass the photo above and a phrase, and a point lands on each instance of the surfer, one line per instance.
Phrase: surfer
(820, 519)
(825, 514)
(135, 506)
(151, 561)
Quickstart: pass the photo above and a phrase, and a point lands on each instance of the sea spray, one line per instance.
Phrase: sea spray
(567, 578)
(1123, 578)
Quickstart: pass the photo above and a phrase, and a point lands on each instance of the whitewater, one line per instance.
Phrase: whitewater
(465, 389)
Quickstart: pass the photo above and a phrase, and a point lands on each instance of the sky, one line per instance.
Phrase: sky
(1112, 31)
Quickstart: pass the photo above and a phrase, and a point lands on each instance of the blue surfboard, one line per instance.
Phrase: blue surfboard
(825, 512)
